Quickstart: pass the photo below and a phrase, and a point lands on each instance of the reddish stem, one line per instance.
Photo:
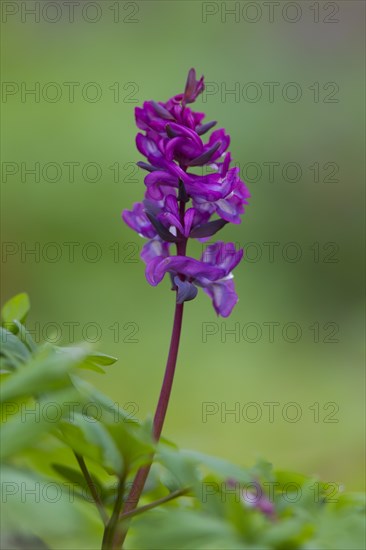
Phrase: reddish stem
(141, 476)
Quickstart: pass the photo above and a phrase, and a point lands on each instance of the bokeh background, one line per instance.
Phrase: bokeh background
(144, 51)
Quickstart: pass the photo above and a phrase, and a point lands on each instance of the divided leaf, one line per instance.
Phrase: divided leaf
(89, 438)
(16, 308)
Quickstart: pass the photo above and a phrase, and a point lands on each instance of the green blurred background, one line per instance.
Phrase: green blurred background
(148, 52)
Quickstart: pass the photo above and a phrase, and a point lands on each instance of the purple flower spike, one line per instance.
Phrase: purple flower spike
(171, 141)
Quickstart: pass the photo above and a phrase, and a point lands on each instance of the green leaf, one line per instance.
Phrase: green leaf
(221, 467)
(262, 470)
(94, 361)
(338, 531)
(35, 505)
(12, 348)
(353, 500)
(111, 412)
(6, 366)
(101, 359)
(288, 533)
(171, 527)
(89, 438)
(183, 469)
(25, 336)
(92, 366)
(133, 442)
(33, 419)
(46, 371)
(283, 477)
(16, 308)
(77, 478)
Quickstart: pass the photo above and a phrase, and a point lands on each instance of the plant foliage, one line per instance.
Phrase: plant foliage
(66, 447)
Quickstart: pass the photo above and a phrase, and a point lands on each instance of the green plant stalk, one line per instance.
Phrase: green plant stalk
(156, 503)
(99, 504)
(111, 529)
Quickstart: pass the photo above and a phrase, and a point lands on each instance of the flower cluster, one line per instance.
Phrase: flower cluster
(172, 144)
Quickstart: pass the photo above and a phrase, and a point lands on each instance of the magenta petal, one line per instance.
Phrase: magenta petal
(171, 204)
(182, 265)
(146, 146)
(169, 219)
(137, 220)
(223, 296)
(171, 147)
(153, 249)
(180, 130)
(153, 276)
(223, 137)
(222, 254)
(193, 87)
(188, 221)
(159, 176)
(186, 291)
